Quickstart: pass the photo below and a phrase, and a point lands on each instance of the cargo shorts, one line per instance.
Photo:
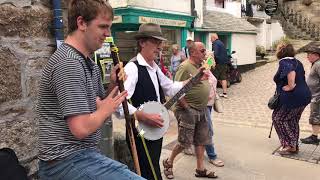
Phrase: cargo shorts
(314, 118)
(193, 127)
(221, 71)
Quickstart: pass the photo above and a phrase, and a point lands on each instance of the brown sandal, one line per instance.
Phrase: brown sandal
(204, 173)
(167, 169)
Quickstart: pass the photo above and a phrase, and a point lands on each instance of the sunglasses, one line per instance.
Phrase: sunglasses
(155, 41)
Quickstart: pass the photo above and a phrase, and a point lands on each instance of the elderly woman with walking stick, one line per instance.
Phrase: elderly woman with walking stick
(294, 97)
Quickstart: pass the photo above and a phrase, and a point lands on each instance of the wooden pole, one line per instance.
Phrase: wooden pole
(129, 120)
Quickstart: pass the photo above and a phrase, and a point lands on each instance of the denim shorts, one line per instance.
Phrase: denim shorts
(86, 164)
(193, 127)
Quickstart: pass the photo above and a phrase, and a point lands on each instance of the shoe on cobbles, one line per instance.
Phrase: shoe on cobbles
(188, 151)
(223, 95)
(310, 140)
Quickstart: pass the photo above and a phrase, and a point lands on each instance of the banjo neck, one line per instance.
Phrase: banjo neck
(194, 80)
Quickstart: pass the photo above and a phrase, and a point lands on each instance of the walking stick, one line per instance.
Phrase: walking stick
(129, 120)
(271, 130)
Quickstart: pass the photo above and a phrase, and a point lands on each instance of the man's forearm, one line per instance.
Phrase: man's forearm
(82, 126)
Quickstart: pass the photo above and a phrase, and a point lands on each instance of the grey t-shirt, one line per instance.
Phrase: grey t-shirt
(69, 86)
(313, 81)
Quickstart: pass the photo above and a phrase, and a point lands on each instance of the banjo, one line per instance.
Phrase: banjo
(155, 133)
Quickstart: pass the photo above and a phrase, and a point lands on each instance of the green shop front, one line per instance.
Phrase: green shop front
(127, 20)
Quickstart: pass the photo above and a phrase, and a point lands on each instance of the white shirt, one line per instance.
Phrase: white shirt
(169, 87)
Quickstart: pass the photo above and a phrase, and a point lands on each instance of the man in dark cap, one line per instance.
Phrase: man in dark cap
(314, 86)
(146, 82)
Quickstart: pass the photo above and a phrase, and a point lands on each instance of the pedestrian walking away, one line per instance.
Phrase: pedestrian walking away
(222, 61)
(72, 104)
(313, 55)
(294, 97)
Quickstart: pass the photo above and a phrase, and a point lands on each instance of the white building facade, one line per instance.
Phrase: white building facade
(180, 19)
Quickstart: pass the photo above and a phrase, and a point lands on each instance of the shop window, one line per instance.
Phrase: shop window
(171, 36)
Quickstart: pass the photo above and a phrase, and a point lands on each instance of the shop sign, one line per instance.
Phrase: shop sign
(271, 7)
(164, 22)
(117, 19)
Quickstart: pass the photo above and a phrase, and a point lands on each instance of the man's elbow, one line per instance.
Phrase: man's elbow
(77, 129)
(79, 134)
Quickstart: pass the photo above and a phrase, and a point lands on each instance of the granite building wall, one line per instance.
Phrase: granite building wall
(26, 42)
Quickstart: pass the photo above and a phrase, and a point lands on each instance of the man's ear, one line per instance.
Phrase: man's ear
(142, 43)
(81, 23)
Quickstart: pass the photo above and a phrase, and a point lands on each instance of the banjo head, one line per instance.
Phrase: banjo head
(154, 133)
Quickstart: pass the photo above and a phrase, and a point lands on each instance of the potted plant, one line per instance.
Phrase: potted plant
(260, 51)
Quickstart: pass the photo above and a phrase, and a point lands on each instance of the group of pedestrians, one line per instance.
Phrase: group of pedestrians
(295, 93)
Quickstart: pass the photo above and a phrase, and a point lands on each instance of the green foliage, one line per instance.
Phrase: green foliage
(284, 39)
(260, 51)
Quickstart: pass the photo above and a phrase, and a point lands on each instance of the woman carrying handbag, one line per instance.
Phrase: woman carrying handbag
(294, 97)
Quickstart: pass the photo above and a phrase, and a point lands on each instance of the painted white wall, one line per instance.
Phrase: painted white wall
(182, 6)
(231, 7)
(244, 54)
(199, 9)
(118, 3)
(268, 34)
(276, 32)
(234, 8)
(262, 34)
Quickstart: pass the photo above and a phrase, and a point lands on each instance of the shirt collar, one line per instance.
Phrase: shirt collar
(143, 62)
(287, 58)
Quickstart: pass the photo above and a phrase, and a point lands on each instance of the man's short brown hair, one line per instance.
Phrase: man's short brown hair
(285, 50)
(88, 9)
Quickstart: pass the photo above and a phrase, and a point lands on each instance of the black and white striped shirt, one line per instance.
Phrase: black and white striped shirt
(69, 86)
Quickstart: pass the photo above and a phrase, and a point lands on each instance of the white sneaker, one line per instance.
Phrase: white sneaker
(223, 95)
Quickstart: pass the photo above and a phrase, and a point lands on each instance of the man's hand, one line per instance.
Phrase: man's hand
(111, 102)
(154, 120)
(205, 76)
(122, 75)
(83, 125)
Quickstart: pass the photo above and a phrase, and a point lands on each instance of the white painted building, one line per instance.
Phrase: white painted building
(224, 18)
(269, 31)
(176, 20)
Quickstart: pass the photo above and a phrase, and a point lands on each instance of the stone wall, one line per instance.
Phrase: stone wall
(26, 42)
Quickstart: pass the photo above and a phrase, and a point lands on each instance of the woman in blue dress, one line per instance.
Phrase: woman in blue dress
(294, 97)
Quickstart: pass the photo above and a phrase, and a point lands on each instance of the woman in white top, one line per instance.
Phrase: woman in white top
(176, 58)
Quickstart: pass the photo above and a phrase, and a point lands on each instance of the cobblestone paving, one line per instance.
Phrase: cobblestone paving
(247, 101)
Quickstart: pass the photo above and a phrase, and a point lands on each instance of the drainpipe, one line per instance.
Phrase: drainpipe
(58, 22)
(193, 13)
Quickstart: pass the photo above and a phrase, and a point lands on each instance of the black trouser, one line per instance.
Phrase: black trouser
(154, 148)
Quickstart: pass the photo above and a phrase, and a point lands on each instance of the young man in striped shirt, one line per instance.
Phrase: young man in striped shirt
(72, 105)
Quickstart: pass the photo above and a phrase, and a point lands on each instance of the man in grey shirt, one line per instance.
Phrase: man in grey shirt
(314, 86)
